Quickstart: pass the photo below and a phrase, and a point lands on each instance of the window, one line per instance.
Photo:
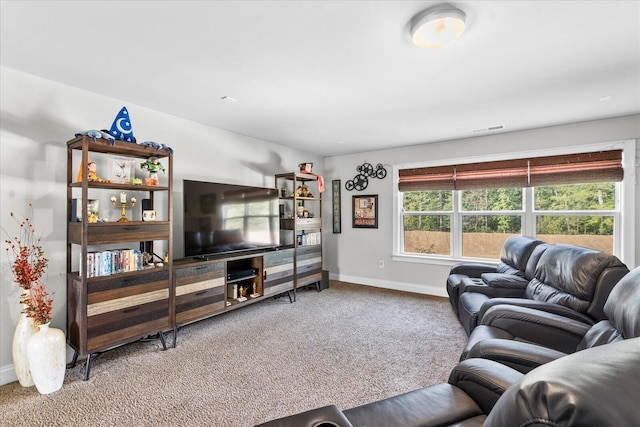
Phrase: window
(578, 214)
(427, 222)
(468, 211)
(488, 217)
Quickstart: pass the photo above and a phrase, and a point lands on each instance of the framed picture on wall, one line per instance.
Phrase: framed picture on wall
(337, 214)
(365, 211)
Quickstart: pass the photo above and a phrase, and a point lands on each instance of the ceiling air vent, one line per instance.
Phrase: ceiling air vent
(489, 129)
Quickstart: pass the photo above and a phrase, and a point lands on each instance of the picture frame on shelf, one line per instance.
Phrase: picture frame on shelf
(365, 211)
(93, 210)
(121, 170)
(336, 206)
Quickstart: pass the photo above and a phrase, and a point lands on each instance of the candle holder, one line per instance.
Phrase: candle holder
(123, 206)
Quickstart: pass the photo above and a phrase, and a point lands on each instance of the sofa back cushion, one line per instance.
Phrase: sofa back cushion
(623, 305)
(623, 314)
(515, 254)
(594, 387)
(569, 275)
(532, 263)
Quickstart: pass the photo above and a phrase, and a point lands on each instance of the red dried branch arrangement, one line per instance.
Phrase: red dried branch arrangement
(38, 304)
(25, 253)
(28, 265)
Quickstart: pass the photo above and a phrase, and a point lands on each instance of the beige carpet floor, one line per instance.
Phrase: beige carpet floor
(347, 345)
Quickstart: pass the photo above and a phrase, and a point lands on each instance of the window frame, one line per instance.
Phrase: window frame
(624, 214)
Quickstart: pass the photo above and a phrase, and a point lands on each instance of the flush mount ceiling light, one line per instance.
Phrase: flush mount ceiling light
(437, 26)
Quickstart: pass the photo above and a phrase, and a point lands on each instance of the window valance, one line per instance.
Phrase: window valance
(530, 172)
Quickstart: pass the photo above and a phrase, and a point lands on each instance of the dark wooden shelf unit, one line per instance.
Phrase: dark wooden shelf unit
(307, 254)
(111, 310)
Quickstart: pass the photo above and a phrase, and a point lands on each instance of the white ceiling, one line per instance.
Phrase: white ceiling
(338, 77)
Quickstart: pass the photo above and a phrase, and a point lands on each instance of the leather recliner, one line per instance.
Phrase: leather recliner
(495, 286)
(509, 274)
(594, 387)
(525, 338)
(569, 280)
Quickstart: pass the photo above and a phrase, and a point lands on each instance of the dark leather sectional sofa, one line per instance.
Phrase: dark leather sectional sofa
(568, 280)
(525, 338)
(566, 353)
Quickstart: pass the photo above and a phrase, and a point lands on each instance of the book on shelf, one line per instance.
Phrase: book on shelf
(105, 263)
(309, 239)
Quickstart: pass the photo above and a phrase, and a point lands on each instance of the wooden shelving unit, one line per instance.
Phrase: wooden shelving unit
(120, 307)
(302, 233)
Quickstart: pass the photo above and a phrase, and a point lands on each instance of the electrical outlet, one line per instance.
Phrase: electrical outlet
(381, 263)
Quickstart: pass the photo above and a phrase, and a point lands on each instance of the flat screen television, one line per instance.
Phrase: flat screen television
(223, 218)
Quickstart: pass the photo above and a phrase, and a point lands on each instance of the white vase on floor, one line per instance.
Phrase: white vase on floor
(47, 359)
(25, 329)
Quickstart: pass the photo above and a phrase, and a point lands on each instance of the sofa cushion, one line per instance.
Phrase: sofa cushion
(515, 254)
(532, 263)
(567, 275)
(623, 314)
(594, 387)
(623, 305)
(503, 268)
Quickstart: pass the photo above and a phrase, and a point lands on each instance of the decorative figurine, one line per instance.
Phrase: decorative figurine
(255, 293)
(123, 205)
(243, 294)
(303, 191)
(91, 173)
(153, 166)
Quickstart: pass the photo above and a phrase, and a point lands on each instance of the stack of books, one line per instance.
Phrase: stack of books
(105, 263)
(309, 239)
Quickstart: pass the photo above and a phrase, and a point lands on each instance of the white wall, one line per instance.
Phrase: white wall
(354, 254)
(39, 116)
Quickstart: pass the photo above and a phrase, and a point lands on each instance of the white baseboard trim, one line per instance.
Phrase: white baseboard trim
(7, 374)
(425, 289)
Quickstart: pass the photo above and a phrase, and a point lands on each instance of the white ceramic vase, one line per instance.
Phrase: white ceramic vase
(47, 359)
(25, 329)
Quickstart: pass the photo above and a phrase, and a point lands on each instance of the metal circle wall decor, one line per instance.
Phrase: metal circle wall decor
(365, 171)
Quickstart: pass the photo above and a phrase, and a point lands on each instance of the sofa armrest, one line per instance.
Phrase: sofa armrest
(472, 269)
(496, 285)
(327, 415)
(527, 324)
(521, 356)
(507, 281)
(437, 405)
(537, 305)
(483, 380)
